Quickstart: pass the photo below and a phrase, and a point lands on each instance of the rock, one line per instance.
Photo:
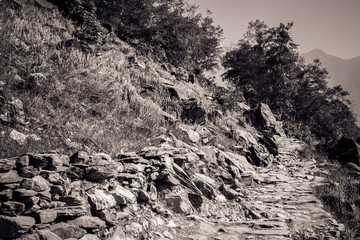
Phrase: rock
(23, 193)
(192, 112)
(134, 168)
(37, 160)
(263, 119)
(9, 177)
(143, 196)
(99, 173)
(65, 231)
(19, 137)
(7, 164)
(270, 144)
(80, 157)
(100, 200)
(75, 173)
(101, 156)
(259, 156)
(192, 135)
(45, 216)
(134, 228)
(205, 185)
(179, 203)
(29, 172)
(184, 179)
(44, 4)
(153, 192)
(23, 161)
(244, 136)
(345, 151)
(88, 223)
(228, 192)
(47, 235)
(236, 160)
(12, 208)
(31, 204)
(56, 161)
(250, 212)
(38, 184)
(65, 212)
(90, 237)
(13, 227)
(225, 176)
(123, 196)
(6, 195)
(52, 177)
(107, 216)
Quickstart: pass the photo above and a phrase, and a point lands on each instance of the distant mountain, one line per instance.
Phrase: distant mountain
(344, 72)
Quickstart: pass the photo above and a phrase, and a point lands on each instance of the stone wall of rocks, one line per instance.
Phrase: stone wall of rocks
(54, 196)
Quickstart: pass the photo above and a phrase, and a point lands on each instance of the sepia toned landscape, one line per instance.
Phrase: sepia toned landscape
(131, 120)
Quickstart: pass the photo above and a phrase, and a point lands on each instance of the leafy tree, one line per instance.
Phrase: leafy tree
(171, 30)
(266, 66)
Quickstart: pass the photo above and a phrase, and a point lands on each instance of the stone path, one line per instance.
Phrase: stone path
(283, 203)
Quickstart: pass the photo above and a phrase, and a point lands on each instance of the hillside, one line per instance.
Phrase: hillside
(344, 72)
(110, 130)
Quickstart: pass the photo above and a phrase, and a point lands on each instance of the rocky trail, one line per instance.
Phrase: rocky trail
(169, 190)
(282, 205)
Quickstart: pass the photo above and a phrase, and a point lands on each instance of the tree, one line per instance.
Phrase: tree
(266, 66)
(171, 30)
(264, 63)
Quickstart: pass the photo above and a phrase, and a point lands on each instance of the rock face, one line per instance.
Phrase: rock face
(13, 227)
(346, 151)
(263, 119)
(81, 195)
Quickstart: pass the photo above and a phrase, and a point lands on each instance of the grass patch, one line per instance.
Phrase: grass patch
(342, 198)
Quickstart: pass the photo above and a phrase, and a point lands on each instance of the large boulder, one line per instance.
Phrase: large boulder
(13, 227)
(259, 156)
(238, 161)
(67, 230)
(345, 151)
(270, 144)
(38, 184)
(263, 119)
(100, 200)
(123, 196)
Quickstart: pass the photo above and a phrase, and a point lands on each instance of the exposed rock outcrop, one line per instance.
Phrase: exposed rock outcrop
(71, 197)
(263, 119)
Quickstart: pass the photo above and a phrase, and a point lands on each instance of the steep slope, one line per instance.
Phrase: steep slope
(344, 72)
(99, 141)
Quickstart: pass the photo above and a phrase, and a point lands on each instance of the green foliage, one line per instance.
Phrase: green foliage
(170, 30)
(266, 66)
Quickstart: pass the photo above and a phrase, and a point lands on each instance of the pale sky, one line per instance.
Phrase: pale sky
(330, 25)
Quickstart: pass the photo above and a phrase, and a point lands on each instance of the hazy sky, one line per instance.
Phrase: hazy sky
(331, 25)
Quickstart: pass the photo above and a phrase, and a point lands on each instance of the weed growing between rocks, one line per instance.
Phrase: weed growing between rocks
(342, 198)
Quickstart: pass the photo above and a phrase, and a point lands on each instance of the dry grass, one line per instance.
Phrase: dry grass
(82, 96)
(342, 197)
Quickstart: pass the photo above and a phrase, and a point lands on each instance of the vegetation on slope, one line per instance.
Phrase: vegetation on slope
(80, 85)
(266, 66)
